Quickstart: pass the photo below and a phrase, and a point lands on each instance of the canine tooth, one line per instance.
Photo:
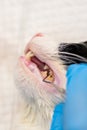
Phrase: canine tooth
(29, 55)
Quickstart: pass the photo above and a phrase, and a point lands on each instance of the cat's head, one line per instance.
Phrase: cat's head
(40, 75)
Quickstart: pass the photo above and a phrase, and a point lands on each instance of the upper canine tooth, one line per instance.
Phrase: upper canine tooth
(29, 55)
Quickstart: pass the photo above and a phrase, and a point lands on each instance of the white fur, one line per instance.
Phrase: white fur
(29, 106)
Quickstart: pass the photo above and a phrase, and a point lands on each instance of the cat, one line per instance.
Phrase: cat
(29, 96)
(40, 91)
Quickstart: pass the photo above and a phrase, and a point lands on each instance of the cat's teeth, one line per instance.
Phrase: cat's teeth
(29, 55)
(47, 74)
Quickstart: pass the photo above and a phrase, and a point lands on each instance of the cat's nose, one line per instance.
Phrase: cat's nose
(39, 35)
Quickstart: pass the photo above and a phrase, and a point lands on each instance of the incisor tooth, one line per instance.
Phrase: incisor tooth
(29, 55)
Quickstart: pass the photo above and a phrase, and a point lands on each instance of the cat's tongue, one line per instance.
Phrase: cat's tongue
(39, 63)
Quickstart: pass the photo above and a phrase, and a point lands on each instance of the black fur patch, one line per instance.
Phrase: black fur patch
(71, 53)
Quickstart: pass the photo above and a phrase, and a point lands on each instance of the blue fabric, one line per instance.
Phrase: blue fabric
(72, 115)
(58, 118)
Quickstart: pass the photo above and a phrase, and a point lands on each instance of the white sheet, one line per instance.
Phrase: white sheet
(20, 19)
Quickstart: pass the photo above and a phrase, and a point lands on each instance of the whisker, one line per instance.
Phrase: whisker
(73, 55)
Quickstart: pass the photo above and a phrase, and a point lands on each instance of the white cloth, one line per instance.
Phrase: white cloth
(20, 19)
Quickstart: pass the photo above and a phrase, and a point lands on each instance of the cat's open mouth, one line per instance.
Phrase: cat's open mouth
(39, 68)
